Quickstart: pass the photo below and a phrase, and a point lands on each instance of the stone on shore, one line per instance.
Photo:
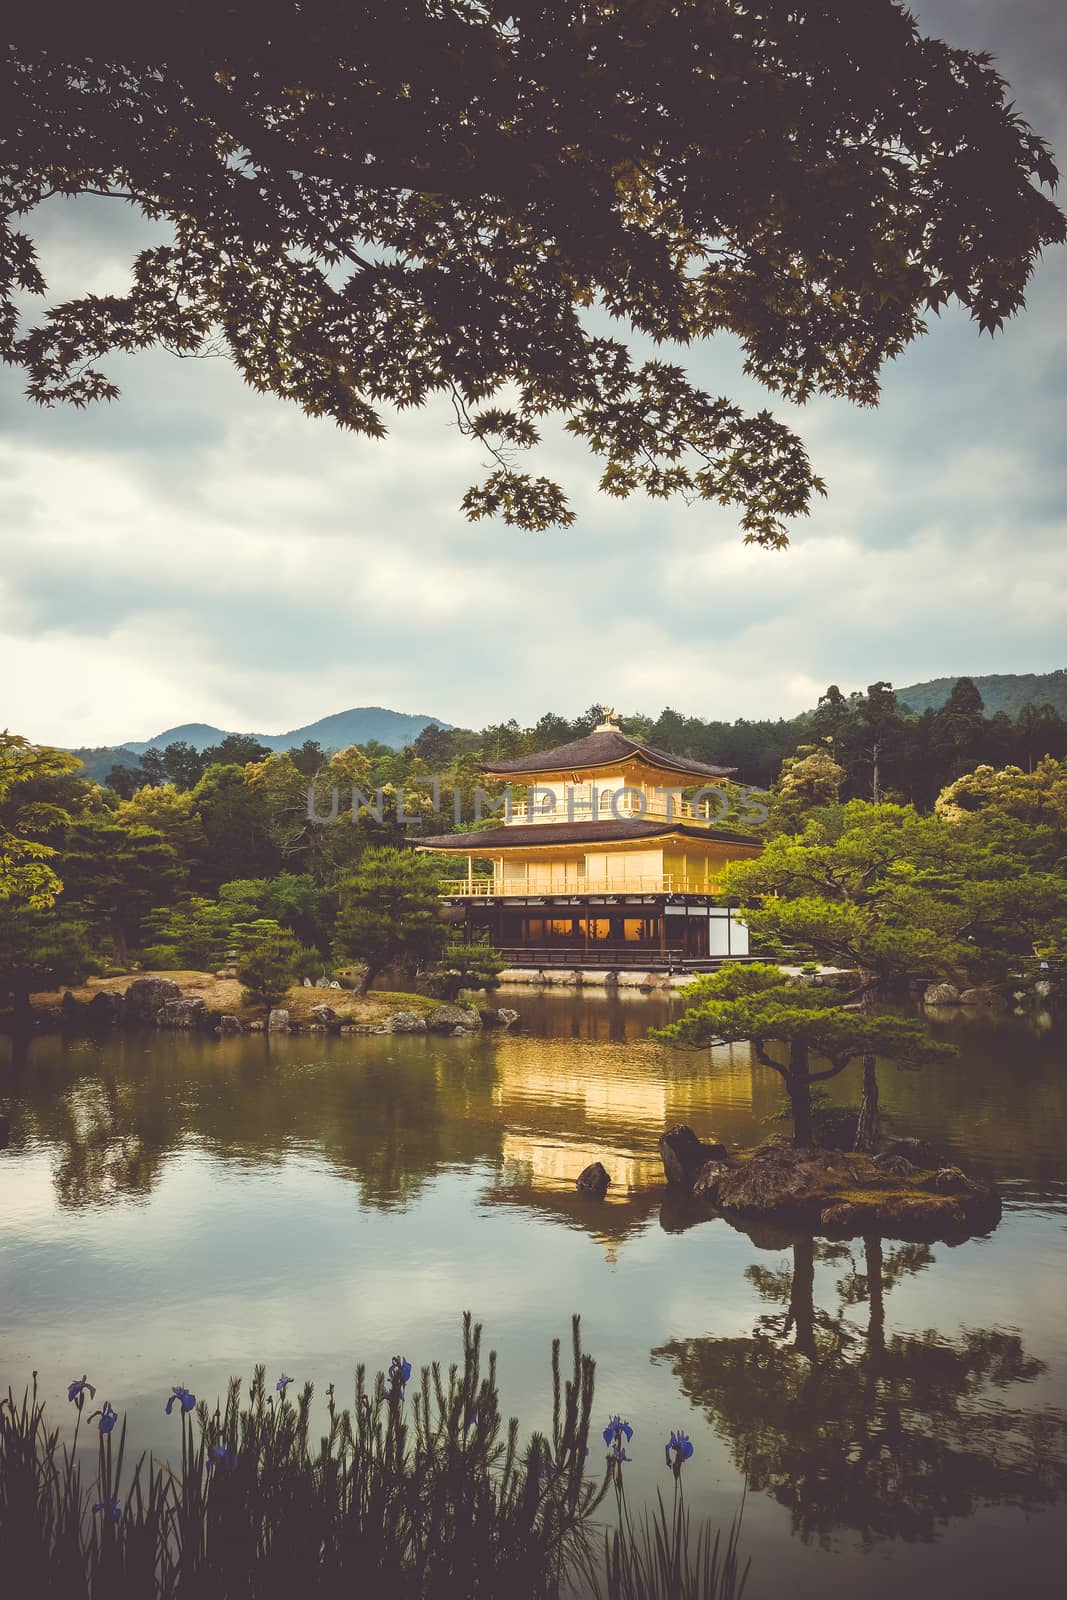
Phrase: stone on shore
(593, 1180)
(278, 1021)
(104, 1008)
(453, 1019)
(684, 1154)
(323, 1013)
(405, 1022)
(146, 997)
(228, 1023)
(188, 1012)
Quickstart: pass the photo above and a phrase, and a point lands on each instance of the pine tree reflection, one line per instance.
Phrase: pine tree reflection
(853, 1429)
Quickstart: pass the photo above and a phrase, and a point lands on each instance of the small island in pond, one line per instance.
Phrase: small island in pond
(904, 1191)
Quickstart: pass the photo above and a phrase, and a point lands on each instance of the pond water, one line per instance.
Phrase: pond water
(176, 1208)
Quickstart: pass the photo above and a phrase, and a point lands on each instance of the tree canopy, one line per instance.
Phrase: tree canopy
(371, 206)
(760, 1004)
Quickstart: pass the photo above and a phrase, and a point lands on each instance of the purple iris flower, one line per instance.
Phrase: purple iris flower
(77, 1388)
(616, 1431)
(221, 1455)
(681, 1447)
(399, 1373)
(108, 1417)
(188, 1401)
(111, 1507)
(282, 1384)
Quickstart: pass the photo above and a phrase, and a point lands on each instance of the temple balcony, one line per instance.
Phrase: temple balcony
(658, 807)
(537, 884)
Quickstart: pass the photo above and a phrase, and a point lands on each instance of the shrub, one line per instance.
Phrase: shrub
(270, 964)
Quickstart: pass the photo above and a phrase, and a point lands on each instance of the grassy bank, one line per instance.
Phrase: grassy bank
(227, 995)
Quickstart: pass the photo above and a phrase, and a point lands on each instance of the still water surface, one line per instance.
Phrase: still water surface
(174, 1209)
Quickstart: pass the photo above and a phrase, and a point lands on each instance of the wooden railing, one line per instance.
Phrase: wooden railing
(655, 809)
(660, 883)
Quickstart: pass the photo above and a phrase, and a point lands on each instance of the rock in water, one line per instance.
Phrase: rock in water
(941, 994)
(190, 1012)
(146, 997)
(406, 1022)
(978, 997)
(453, 1019)
(594, 1180)
(498, 1017)
(104, 1008)
(684, 1154)
(229, 1023)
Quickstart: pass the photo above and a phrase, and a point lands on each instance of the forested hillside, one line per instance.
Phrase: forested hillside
(1001, 691)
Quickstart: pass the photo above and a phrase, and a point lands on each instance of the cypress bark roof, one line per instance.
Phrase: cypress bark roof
(604, 749)
(590, 833)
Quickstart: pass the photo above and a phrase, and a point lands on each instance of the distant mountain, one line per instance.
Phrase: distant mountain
(1000, 691)
(98, 760)
(357, 726)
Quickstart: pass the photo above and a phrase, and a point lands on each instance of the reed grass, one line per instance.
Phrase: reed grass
(419, 1495)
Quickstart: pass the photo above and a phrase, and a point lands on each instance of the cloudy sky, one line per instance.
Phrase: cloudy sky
(195, 552)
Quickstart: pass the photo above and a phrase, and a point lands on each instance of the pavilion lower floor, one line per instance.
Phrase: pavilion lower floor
(680, 932)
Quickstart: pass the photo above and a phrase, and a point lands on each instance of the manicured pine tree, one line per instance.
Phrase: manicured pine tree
(804, 1033)
(390, 912)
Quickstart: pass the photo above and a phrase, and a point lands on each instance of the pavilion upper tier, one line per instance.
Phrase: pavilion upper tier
(606, 750)
(607, 775)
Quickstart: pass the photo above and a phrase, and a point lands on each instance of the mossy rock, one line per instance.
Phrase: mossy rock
(847, 1194)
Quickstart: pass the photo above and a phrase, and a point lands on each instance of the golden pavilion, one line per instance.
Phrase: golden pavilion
(604, 862)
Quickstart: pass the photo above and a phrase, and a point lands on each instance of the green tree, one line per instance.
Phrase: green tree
(271, 964)
(125, 781)
(194, 935)
(236, 822)
(833, 719)
(880, 727)
(389, 912)
(814, 181)
(1035, 797)
(114, 875)
(818, 1035)
(307, 758)
(151, 764)
(236, 749)
(958, 728)
(39, 950)
(474, 965)
(183, 764)
(809, 781)
(171, 812)
(894, 895)
(26, 878)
